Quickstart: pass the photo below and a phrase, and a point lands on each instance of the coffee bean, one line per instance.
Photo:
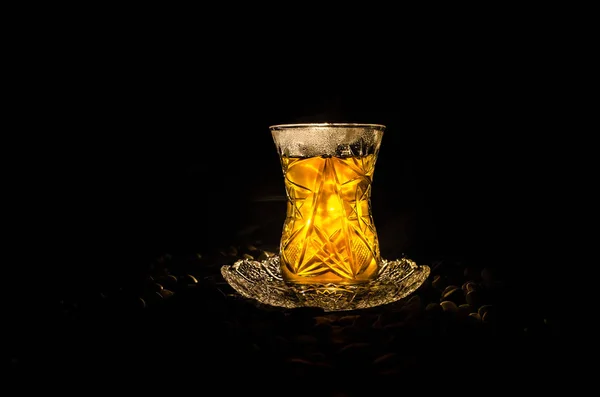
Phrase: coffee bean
(488, 317)
(298, 360)
(264, 255)
(365, 320)
(448, 289)
(141, 303)
(354, 351)
(388, 317)
(188, 279)
(394, 327)
(337, 336)
(301, 368)
(347, 320)
(153, 297)
(168, 281)
(469, 286)
(475, 316)
(386, 359)
(483, 309)
(465, 309)
(323, 320)
(486, 275)
(437, 282)
(455, 295)
(433, 308)
(378, 323)
(449, 306)
(155, 287)
(413, 305)
(231, 251)
(473, 298)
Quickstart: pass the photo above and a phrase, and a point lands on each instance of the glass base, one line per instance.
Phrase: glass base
(262, 281)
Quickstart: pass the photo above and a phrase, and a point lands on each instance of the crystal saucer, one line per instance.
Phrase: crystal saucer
(262, 281)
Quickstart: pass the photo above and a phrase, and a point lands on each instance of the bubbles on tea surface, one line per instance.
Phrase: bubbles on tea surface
(361, 148)
(344, 150)
(319, 140)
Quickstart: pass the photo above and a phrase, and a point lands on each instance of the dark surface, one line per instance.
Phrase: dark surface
(178, 320)
(117, 312)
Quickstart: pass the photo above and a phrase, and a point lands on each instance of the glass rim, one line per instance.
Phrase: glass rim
(312, 125)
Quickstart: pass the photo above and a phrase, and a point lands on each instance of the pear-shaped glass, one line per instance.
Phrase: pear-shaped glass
(328, 235)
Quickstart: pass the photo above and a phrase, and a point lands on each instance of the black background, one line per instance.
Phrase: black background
(171, 156)
(154, 139)
(143, 137)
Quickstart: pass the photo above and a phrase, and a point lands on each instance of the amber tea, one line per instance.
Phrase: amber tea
(328, 235)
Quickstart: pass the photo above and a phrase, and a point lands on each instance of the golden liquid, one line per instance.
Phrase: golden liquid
(329, 235)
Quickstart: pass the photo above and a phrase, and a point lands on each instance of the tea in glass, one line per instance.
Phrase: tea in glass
(328, 235)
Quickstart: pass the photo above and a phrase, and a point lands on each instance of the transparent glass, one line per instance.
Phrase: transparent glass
(328, 235)
(262, 282)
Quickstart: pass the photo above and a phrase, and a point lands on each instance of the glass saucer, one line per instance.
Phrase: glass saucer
(262, 281)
